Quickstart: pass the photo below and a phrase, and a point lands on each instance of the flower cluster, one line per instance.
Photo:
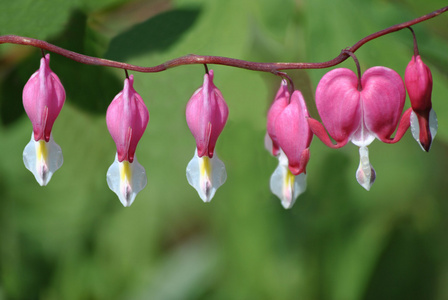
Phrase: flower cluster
(353, 108)
(362, 109)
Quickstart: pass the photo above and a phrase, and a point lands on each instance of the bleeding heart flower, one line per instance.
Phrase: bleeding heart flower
(43, 98)
(360, 112)
(206, 114)
(127, 118)
(290, 132)
(418, 80)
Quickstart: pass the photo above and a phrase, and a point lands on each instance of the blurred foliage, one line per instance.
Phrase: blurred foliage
(74, 240)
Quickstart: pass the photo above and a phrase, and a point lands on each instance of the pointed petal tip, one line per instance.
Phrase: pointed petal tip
(207, 200)
(126, 203)
(287, 204)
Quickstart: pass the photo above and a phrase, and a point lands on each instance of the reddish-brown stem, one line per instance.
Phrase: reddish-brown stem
(290, 82)
(358, 67)
(217, 60)
(415, 42)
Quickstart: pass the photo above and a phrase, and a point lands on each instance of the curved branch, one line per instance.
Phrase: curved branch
(217, 60)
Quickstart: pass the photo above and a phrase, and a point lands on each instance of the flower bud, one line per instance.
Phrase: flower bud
(418, 80)
(127, 118)
(206, 114)
(43, 98)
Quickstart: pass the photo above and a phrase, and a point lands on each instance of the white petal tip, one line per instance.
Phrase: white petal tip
(206, 175)
(42, 159)
(126, 180)
(288, 204)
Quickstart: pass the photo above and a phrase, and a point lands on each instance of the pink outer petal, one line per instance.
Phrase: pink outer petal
(206, 115)
(281, 100)
(319, 130)
(402, 128)
(383, 95)
(43, 98)
(293, 133)
(338, 103)
(418, 81)
(127, 118)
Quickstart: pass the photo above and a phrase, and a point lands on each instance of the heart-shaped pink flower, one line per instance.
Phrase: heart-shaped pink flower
(360, 111)
(360, 115)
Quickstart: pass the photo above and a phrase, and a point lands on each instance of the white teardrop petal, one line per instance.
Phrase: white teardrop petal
(433, 124)
(415, 127)
(268, 144)
(42, 159)
(365, 175)
(126, 179)
(206, 175)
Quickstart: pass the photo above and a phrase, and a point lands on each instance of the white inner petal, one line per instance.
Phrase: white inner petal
(206, 175)
(285, 185)
(415, 127)
(126, 179)
(42, 159)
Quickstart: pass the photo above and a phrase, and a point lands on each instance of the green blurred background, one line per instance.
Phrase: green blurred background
(74, 240)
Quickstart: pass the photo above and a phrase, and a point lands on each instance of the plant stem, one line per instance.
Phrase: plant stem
(217, 60)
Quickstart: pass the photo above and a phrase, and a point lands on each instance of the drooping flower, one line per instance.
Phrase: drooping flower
(288, 129)
(126, 118)
(43, 98)
(206, 115)
(418, 80)
(360, 114)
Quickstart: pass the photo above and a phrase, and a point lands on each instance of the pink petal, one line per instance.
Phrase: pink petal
(127, 118)
(293, 133)
(206, 114)
(418, 81)
(281, 100)
(338, 104)
(43, 98)
(383, 96)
